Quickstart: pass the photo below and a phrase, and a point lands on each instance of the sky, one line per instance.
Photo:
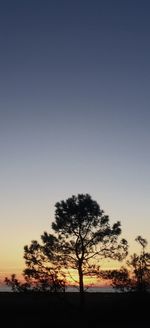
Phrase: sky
(74, 115)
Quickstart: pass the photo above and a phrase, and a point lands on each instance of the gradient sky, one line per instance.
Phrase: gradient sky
(74, 115)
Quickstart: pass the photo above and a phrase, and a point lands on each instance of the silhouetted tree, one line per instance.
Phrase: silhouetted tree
(40, 274)
(42, 270)
(136, 277)
(140, 266)
(119, 279)
(16, 285)
(83, 235)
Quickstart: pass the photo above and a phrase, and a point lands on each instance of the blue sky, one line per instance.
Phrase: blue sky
(74, 114)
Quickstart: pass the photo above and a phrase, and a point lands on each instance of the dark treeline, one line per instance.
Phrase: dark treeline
(101, 309)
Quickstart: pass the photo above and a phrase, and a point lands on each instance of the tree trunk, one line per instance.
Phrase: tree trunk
(81, 287)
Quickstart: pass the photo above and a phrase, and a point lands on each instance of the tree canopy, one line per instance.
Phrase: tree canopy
(136, 275)
(81, 236)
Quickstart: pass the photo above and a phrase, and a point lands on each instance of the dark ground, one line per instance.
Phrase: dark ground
(63, 310)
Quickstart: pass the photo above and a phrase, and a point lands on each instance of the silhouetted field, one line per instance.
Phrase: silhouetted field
(101, 310)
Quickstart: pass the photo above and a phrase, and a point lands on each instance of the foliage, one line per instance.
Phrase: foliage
(41, 271)
(136, 277)
(120, 279)
(40, 275)
(16, 285)
(84, 236)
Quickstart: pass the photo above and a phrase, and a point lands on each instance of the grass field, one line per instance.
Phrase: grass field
(100, 310)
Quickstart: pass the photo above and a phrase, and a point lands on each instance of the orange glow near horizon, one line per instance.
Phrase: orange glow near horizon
(72, 278)
(7, 270)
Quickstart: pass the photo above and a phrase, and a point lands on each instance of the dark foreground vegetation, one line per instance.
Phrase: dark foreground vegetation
(63, 310)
